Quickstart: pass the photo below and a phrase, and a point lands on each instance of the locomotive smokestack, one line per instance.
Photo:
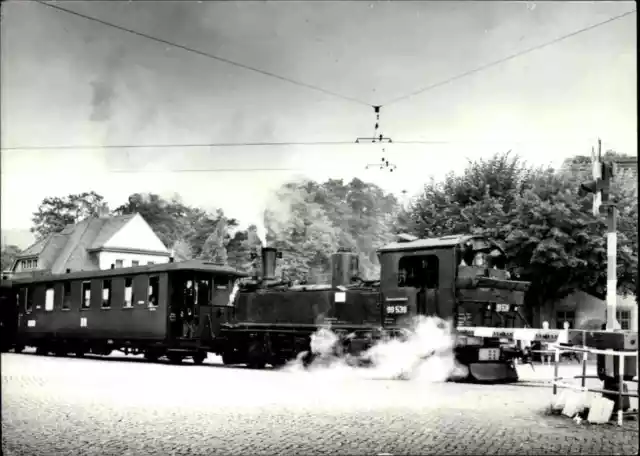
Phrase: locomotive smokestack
(345, 265)
(269, 255)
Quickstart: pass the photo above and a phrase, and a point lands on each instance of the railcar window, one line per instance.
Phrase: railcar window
(223, 283)
(86, 295)
(49, 298)
(204, 291)
(128, 292)
(66, 295)
(418, 271)
(154, 290)
(106, 294)
(26, 299)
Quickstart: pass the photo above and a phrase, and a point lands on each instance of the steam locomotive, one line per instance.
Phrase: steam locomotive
(457, 278)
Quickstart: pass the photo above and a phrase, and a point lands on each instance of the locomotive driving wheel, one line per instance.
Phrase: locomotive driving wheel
(199, 358)
(174, 358)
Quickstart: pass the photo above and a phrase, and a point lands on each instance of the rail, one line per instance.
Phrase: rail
(561, 381)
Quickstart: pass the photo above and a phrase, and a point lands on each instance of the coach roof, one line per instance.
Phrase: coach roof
(191, 265)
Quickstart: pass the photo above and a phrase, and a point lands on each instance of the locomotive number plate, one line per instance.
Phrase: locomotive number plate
(502, 307)
(489, 354)
(396, 310)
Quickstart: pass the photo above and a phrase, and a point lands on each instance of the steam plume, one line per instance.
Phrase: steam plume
(425, 354)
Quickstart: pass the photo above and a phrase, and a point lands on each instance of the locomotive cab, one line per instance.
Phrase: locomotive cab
(462, 279)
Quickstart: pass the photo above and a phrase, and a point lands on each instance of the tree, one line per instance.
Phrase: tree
(9, 254)
(241, 247)
(547, 230)
(182, 250)
(309, 221)
(214, 249)
(54, 213)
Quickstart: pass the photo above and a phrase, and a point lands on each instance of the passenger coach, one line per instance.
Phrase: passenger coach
(171, 309)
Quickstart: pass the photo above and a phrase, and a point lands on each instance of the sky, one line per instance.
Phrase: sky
(67, 81)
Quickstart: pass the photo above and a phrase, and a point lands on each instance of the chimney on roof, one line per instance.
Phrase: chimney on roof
(172, 256)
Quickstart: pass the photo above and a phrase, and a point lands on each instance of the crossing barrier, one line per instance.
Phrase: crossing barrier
(600, 408)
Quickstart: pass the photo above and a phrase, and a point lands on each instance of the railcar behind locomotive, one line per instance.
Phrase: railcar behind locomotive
(159, 310)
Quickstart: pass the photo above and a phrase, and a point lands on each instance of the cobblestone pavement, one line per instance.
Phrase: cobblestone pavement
(68, 406)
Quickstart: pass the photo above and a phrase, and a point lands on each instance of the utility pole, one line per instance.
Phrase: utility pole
(603, 173)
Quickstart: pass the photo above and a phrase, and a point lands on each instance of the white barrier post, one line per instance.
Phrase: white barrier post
(555, 370)
(620, 388)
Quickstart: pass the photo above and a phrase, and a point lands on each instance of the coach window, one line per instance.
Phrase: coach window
(154, 289)
(128, 292)
(26, 298)
(66, 295)
(418, 271)
(204, 291)
(86, 295)
(106, 294)
(49, 298)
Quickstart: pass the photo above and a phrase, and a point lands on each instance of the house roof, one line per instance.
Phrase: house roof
(191, 265)
(69, 248)
(34, 249)
(110, 227)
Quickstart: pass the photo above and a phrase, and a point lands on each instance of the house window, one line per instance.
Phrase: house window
(128, 292)
(151, 262)
(29, 264)
(134, 263)
(624, 318)
(119, 263)
(418, 271)
(154, 289)
(106, 294)
(66, 296)
(565, 315)
(86, 295)
(49, 298)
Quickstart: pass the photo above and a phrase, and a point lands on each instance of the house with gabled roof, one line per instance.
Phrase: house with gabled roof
(93, 244)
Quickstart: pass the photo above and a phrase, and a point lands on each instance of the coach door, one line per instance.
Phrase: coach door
(183, 313)
(223, 309)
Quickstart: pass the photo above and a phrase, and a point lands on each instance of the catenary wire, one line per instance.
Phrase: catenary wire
(206, 54)
(283, 144)
(506, 59)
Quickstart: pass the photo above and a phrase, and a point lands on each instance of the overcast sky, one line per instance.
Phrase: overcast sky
(69, 81)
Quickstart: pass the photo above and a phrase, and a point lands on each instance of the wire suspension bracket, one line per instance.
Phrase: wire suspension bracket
(384, 164)
(377, 137)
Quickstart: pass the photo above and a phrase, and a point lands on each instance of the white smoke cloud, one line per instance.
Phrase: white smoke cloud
(425, 353)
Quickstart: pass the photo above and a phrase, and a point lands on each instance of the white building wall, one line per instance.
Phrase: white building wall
(137, 235)
(588, 308)
(106, 259)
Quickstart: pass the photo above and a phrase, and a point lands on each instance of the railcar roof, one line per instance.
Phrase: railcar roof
(429, 243)
(191, 265)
